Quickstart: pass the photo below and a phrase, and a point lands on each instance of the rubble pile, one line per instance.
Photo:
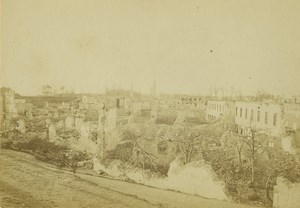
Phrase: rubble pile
(197, 178)
(36, 125)
(166, 142)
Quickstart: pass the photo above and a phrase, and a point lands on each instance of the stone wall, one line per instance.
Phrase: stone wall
(292, 115)
(127, 105)
(111, 120)
(286, 194)
(137, 108)
(195, 178)
(85, 143)
(287, 144)
(9, 105)
(69, 122)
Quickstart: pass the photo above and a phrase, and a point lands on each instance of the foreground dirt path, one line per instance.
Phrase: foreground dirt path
(27, 182)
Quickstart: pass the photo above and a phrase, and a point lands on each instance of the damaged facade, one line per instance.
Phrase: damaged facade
(267, 117)
(9, 110)
(216, 109)
(155, 128)
(273, 119)
(286, 194)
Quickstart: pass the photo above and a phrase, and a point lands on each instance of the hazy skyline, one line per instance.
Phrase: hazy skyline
(187, 46)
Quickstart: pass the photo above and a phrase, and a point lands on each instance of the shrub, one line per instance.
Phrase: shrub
(6, 144)
(122, 152)
(40, 145)
(169, 120)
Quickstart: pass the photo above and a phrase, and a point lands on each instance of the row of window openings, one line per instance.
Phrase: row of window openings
(258, 116)
(217, 107)
(190, 99)
(211, 117)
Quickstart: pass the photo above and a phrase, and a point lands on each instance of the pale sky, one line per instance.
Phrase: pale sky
(188, 46)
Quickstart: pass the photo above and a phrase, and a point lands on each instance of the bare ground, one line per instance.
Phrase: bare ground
(27, 182)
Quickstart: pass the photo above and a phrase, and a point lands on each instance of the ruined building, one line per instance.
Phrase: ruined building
(89, 102)
(273, 119)
(219, 108)
(22, 106)
(267, 117)
(189, 101)
(8, 105)
(1, 110)
(292, 120)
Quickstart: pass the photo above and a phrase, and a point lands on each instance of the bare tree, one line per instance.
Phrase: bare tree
(239, 145)
(250, 139)
(137, 151)
(279, 163)
(189, 141)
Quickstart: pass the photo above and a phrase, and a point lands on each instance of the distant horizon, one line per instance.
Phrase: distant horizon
(158, 93)
(188, 47)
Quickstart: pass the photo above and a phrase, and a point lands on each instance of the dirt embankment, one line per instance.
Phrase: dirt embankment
(26, 182)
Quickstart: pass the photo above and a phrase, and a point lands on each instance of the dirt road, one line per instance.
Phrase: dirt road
(27, 182)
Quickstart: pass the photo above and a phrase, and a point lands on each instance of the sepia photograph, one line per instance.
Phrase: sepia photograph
(150, 104)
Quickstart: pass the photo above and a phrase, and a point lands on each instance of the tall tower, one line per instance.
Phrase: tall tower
(1, 109)
(153, 89)
(131, 90)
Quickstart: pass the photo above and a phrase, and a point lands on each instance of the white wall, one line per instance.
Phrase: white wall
(268, 127)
